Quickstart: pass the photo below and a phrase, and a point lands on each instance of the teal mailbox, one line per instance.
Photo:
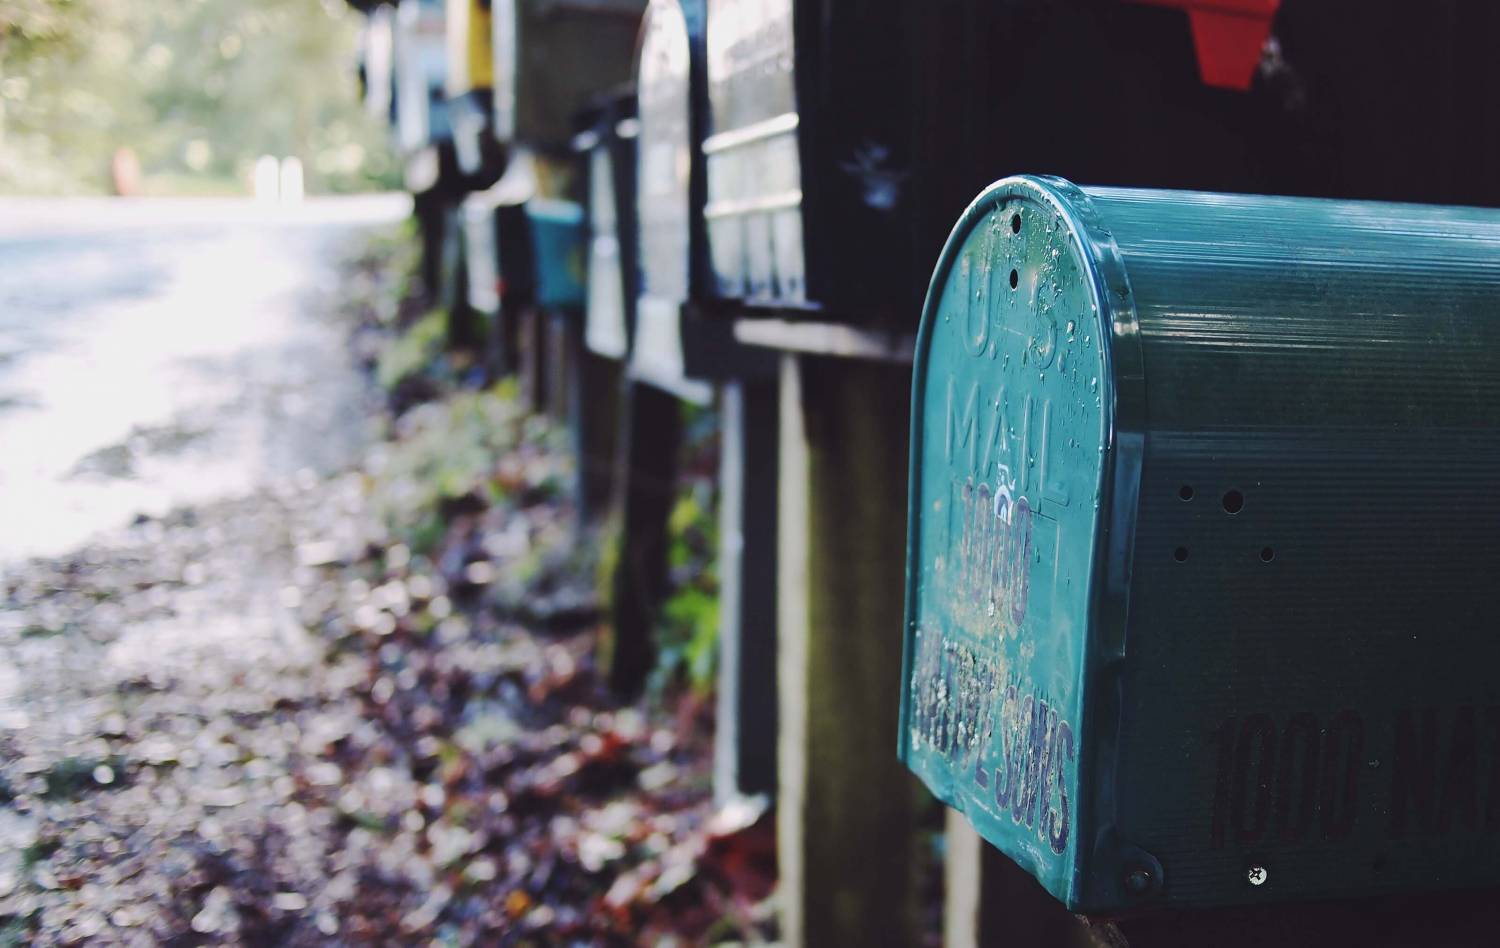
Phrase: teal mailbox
(1203, 539)
(559, 241)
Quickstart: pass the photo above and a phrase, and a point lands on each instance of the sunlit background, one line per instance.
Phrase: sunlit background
(179, 97)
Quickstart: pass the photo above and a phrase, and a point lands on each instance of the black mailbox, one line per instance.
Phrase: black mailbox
(845, 136)
(551, 57)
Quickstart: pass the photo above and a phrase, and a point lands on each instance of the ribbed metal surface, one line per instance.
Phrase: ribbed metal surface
(1337, 366)
(1289, 673)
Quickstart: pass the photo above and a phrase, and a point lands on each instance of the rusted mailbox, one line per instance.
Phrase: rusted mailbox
(1202, 543)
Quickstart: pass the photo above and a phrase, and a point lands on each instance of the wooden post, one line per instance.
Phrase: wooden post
(847, 810)
(745, 742)
(464, 325)
(990, 902)
(532, 333)
(558, 330)
(652, 436)
(594, 410)
(427, 207)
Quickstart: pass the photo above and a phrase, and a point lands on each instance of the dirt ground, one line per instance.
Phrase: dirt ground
(349, 709)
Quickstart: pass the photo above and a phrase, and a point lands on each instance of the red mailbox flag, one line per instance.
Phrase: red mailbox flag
(1228, 35)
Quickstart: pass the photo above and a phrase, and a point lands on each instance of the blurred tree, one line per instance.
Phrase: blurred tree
(196, 88)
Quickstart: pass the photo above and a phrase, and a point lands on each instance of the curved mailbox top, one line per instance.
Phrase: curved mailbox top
(1201, 520)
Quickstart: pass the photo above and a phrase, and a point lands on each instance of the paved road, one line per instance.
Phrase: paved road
(158, 352)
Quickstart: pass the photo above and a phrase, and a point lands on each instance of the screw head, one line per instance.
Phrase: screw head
(1257, 875)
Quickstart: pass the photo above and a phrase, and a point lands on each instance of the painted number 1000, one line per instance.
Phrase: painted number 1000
(1289, 782)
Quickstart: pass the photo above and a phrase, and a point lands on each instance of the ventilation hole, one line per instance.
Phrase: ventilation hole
(1015, 279)
(1180, 554)
(1015, 223)
(1234, 502)
(1267, 554)
(1185, 492)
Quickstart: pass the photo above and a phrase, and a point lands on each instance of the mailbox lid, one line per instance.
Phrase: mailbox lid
(1012, 475)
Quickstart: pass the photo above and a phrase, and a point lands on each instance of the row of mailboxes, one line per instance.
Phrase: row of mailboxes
(523, 249)
(1202, 532)
(838, 138)
(845, 135)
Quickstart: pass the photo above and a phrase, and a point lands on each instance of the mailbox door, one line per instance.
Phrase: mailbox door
(1010, 448)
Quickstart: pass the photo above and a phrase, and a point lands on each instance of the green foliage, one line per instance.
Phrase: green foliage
(688, 633)
(475, 444)
(197, 89)
(414, 352)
